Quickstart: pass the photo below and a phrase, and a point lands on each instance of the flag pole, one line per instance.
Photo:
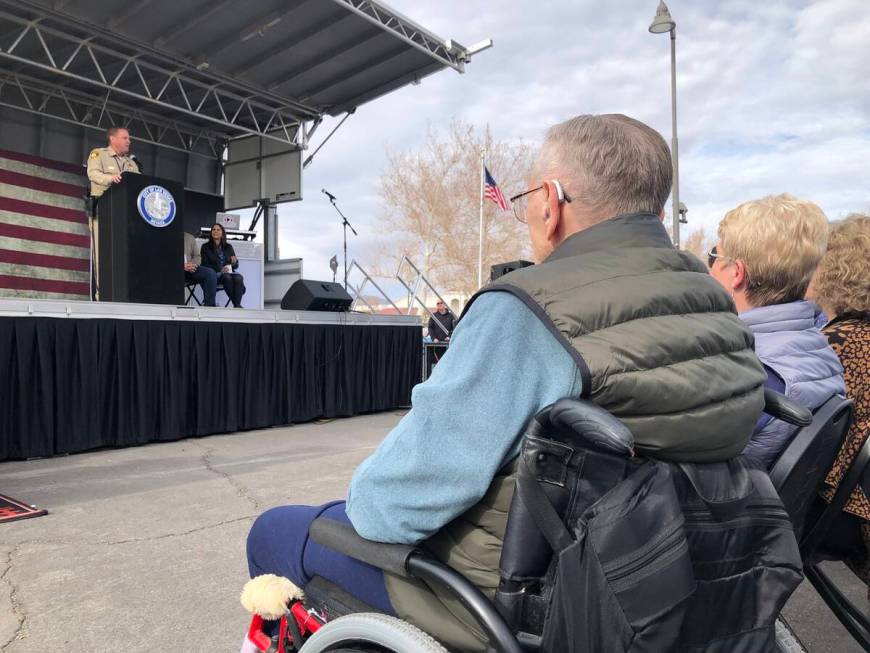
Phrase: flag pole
(480, 242)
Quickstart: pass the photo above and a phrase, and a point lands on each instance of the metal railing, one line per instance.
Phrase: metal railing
(413, 287)
(356, 290)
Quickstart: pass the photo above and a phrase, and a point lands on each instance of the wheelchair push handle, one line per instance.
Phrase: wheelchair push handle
(781, 407)
(596, 427)
(603, 431)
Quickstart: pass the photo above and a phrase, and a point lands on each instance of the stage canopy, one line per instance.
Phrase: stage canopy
(192, 74)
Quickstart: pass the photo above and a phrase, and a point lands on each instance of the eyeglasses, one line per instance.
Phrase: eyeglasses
(712, 255)
(520, 203)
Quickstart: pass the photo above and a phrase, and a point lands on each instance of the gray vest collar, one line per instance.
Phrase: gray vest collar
(631, 230)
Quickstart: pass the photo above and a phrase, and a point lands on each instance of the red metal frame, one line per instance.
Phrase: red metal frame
(307, 621)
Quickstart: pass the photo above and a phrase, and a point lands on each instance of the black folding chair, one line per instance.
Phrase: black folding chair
(799, 476)
(191, 293)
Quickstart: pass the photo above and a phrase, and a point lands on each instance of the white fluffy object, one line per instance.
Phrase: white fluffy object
(268, 596)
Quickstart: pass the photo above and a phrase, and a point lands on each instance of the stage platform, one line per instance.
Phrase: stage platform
(81, 375)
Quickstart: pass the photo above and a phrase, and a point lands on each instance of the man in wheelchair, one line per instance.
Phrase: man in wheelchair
(632, 328)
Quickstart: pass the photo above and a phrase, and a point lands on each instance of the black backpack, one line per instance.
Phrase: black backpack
(643, 555)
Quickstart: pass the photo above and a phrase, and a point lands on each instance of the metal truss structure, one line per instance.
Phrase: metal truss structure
(85, 60)
(96, 64)
(450, 53)
(34, 96)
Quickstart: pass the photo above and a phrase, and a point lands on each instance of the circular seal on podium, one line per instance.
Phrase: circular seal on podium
(156, 205)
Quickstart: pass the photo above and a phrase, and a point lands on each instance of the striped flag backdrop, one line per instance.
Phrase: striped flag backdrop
(44, 237)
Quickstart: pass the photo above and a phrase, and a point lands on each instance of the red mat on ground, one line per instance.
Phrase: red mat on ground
(11, 509)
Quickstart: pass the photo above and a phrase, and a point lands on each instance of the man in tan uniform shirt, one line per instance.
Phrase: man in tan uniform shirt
(105, 167)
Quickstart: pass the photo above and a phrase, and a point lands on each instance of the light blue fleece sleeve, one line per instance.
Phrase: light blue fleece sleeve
(503, 365)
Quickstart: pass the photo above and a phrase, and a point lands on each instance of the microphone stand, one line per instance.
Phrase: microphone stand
(345, 224)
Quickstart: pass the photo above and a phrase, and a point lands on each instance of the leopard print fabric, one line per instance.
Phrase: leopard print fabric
(850, 339)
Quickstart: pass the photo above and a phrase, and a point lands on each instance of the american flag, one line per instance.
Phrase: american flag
(44, 238)
(491, 191)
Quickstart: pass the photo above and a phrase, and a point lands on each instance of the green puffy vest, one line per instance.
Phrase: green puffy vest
(658, 344)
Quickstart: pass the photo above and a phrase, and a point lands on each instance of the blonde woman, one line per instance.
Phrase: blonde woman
(765, 257)
(841, 287)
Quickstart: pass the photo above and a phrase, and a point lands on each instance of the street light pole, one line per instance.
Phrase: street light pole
(675, 149)
(661, 24)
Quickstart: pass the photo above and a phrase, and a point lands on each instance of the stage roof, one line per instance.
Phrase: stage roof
(190, 74)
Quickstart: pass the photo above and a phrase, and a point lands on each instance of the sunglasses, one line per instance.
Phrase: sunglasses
(712, 255)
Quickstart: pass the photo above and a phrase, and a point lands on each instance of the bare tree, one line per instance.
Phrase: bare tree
(697, 243)
(431, 199)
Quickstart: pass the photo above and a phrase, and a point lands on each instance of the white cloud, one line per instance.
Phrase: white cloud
(772, 97)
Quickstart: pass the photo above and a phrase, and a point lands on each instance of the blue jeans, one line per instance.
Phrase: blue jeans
(278, 544)
(207, 278)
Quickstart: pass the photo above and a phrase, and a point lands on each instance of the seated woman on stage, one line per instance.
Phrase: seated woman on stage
(220, 256)
(767, 252)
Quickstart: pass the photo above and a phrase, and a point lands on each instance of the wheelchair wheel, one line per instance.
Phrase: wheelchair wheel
(372, 633)
(786, 640)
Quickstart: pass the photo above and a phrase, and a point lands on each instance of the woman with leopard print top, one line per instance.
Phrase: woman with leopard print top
(841, 288)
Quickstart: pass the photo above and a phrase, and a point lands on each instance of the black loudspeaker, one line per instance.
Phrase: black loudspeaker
(309, 295)
(501, 269)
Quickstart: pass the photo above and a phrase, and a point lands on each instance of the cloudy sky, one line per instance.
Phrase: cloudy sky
(772, 97)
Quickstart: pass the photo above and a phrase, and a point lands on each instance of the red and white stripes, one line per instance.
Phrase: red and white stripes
(44, 238)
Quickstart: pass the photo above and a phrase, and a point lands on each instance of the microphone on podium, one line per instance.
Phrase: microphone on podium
(328, 194)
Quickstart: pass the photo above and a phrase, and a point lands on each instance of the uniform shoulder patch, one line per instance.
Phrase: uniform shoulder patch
(94, 154)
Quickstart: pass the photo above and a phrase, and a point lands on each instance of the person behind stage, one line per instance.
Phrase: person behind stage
(220, 256)
(447, 320)
(106, 165)
(195, 272)
(613, 313)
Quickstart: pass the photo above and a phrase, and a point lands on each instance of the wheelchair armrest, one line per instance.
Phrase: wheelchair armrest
(341, 537)
(597, 427)
(779, 406)
(408, 561)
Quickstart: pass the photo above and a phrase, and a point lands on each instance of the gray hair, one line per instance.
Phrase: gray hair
(113, 131)
(609, 163)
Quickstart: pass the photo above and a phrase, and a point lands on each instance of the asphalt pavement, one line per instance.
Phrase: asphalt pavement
(143, 548)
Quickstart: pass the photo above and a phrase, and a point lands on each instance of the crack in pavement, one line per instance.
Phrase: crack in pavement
(20, 632)
(240, 489)
(153, 538)
(131, 540)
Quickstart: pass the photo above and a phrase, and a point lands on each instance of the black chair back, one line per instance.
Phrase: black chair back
(799, 473)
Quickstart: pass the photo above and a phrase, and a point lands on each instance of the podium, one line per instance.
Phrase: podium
(432, 353)
(140, 242)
